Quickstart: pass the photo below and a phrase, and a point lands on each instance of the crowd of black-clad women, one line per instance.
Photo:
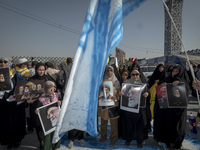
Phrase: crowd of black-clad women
(168, 127)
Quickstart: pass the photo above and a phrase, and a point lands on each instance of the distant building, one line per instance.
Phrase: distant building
(172, 43)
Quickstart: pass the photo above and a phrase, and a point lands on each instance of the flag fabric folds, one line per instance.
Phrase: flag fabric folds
(101, 33)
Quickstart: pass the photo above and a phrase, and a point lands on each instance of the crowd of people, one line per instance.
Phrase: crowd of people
(22, 118)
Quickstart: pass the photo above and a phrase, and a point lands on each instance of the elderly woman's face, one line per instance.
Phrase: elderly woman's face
(135, 75)
(3, 63)
(109, 72)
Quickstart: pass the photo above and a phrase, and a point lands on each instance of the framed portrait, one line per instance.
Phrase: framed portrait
(106, 94)
(48, 116)
(29, 90)
(177, 97)
(143, 99)
(5, 80)
(162, 96)
(130, 101)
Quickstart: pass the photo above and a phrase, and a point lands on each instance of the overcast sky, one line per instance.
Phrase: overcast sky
(52, 28)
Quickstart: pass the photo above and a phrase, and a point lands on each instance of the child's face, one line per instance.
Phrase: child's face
(51, 90)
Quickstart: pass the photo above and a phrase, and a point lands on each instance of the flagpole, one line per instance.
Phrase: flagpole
(190, 66)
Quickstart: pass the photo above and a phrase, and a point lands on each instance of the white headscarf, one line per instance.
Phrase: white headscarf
(6, 59)
(113, 78)
(9, 66)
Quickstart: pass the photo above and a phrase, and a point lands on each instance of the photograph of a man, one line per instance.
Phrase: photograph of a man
(130, 101)
(27, 90)
(5, 80)
(106, 94)
(48, 115)
(2, 79)
(162, 97)
(133, 97)
(52, 114)
(177, 97)
(21, 90)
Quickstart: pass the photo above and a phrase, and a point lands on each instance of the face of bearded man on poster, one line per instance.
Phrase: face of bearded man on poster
(2, 79)
(52, 114)
(133, 97)
(177, 93)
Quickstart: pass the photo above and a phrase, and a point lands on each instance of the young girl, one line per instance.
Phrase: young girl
(47, 98)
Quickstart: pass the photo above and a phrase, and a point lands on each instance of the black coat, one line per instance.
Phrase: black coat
(170, 123)
(13, 123)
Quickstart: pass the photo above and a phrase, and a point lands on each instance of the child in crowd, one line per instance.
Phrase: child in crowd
(49, 97)
(20, 72)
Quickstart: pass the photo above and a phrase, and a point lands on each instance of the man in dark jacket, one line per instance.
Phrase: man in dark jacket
(63, 76)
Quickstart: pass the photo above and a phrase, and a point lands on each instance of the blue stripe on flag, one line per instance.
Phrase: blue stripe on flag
(102, 31)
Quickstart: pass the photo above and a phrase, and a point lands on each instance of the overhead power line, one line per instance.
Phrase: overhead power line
(54, 24)
(37, 18)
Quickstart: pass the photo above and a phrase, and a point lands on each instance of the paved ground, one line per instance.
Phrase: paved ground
(191, 142)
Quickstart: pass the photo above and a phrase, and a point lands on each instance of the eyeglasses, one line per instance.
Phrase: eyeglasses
(5, 62)
(135, 74)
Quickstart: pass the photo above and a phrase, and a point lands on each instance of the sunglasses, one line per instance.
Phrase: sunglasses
(3, 61)
(135, 74)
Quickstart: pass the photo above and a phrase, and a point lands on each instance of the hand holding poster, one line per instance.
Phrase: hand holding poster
(171, 96)
(48, 115)
(5, 80)
(131, 99)
(177, 97)
(29, 90)
(106, 94)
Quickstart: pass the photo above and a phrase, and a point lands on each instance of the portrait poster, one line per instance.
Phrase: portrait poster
(29, 90)
(143, 99)
(106, 94)
(130, 101)
(162, 96)
(5, 80)
(177, 97)
(48, 115)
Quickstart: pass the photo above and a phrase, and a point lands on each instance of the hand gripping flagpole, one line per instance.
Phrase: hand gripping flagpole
(190, 66)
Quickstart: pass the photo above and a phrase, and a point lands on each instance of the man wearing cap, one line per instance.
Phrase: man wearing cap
(20, 70)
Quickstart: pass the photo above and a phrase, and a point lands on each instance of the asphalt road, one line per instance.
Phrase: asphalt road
(191, 142)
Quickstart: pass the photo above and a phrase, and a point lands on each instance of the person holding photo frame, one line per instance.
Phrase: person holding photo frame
(13, 123)
(104, 114)
(50, 97)
(170, 123)
(33, 121)
(134, 125)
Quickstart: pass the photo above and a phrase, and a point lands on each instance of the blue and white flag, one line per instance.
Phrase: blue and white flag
(101, 33)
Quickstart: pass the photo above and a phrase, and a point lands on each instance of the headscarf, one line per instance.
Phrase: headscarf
(183, 76)
(124, 72)
(113, 78)
(142, 77)
(134, 81)
(9, 66)
(6, 59)
(37, 76)
(157, 75)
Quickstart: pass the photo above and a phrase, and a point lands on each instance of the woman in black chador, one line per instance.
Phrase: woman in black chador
(158, 75)
(170, 123)
(134, 125)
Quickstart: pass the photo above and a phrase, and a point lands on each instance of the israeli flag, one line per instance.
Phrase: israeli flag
(101, 33)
